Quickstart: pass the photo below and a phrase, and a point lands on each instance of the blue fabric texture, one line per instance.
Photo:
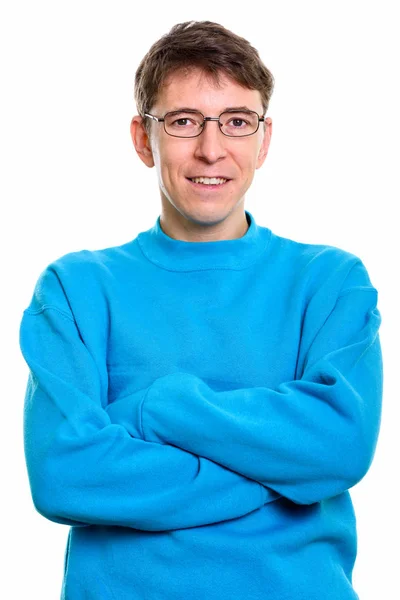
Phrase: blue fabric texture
(196, 413)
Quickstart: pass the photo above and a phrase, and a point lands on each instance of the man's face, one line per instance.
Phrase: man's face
(211, 154)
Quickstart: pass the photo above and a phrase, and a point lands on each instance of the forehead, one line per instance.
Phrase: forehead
(193, 88)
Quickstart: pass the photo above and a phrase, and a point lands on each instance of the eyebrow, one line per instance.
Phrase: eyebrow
(227, 108)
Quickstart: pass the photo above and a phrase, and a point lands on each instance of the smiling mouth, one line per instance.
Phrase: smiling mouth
(208, 182)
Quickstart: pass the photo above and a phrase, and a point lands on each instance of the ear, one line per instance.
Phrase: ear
(141, 141)
(262, 155)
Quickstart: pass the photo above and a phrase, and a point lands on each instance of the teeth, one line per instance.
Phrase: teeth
(209, 180)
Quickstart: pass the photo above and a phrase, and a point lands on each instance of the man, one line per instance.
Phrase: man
(202, 397)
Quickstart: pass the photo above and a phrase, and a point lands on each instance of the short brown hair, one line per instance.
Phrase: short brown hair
(205, 45)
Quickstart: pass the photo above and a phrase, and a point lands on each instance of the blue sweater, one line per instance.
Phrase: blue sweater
(196, 412)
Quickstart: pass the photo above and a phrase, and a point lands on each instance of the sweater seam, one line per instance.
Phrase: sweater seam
(40, 310)
(363, 288)
(141, 427)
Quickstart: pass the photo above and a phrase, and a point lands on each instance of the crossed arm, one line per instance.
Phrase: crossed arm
(309, 439)
(86, 470)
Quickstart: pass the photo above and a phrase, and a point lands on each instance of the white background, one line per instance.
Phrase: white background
(72, 180)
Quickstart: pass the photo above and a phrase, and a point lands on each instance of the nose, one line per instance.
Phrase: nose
(211, 143)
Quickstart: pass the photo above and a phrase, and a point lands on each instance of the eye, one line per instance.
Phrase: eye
(238, 122)
(182, 121)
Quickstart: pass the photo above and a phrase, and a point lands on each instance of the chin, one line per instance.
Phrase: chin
(206, 215)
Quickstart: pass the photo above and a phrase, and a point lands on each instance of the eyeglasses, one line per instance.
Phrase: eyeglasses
(191, 123)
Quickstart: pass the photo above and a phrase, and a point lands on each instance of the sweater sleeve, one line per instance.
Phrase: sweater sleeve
(85, 470)
(309, 439)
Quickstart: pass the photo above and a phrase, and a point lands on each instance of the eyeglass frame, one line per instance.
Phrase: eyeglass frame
(162, 120)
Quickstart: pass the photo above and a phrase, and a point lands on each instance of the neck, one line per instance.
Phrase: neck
(180, 255)
(203, 229)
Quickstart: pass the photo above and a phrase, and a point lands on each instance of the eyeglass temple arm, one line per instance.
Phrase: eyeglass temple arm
(158, 119)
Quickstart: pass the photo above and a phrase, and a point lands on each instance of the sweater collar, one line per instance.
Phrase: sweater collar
(178, 255)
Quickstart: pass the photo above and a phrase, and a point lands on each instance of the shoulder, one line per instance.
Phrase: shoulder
(317, 265)
(74, 278)
(312, 253)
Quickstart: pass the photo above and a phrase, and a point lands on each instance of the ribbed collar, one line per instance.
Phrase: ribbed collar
(178, 255)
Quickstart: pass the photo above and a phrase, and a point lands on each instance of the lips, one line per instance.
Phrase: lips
(206, 190)
(209, 177)
(208, 182)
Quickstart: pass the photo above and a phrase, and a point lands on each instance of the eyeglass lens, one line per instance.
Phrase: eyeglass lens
(190, 124)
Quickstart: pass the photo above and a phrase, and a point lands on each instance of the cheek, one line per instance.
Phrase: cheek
(248, 159)
(172, 163)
